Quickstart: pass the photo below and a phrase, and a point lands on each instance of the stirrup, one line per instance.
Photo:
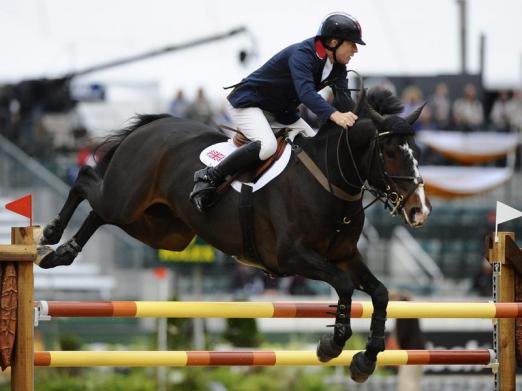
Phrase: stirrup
(202, 195)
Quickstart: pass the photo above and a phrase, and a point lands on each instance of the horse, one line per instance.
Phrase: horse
(307, 221)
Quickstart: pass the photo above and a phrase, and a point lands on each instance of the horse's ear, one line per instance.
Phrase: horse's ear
(414, 116)
(360, 102)
(374, 115)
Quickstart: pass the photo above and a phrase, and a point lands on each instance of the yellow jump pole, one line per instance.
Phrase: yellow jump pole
(254, 358)
(194, 309)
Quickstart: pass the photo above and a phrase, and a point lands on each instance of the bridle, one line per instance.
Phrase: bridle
(391, 197)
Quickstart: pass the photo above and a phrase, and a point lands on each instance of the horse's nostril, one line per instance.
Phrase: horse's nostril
(413, 213)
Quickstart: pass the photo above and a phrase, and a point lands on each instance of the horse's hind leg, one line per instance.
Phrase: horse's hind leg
(67, 252)
(363, 363)
(53, 231)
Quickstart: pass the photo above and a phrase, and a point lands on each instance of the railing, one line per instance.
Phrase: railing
(410, 261)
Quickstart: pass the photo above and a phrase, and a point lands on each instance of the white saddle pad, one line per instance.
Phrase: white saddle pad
(213, 154)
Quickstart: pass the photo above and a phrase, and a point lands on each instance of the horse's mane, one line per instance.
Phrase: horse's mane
(383, 101)
(109, 145)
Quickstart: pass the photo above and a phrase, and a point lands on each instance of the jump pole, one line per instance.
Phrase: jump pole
(254, 358)
(227, 309)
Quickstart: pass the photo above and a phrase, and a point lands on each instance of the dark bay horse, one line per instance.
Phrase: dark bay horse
(301, 228)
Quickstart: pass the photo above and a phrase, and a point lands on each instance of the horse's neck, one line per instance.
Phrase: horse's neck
(329, 150)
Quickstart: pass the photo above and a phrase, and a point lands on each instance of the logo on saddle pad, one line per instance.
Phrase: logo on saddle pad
(212, 155)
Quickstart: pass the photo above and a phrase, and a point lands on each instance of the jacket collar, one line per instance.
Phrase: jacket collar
(320, 50)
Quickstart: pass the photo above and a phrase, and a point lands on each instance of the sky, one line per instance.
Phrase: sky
(51, 37)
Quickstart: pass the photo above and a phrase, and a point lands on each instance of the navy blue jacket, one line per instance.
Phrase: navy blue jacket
(291, 77)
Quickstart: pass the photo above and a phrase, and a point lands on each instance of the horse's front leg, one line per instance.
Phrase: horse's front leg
(363, 363)
(302, 261)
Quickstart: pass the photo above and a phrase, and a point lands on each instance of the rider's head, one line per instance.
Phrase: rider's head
(340, 33)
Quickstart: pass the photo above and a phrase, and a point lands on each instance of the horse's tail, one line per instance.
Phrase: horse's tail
(383, 101)
(109, 145)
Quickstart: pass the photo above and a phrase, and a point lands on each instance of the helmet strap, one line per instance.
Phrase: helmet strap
(334, 48)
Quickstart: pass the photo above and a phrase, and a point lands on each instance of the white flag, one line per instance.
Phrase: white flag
(504, 213)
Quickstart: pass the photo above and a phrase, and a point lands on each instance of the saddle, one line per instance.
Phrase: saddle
(240, 139)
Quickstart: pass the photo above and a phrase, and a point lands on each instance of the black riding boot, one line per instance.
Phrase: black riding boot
(208, 179)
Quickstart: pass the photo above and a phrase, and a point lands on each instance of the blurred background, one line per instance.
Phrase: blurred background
(71, 72)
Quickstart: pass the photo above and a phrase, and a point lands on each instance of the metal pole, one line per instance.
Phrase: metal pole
(162, 332)
(199, 333)
(463, 28)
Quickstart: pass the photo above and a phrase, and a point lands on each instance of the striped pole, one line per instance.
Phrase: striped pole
(254, 358)
(397, 309)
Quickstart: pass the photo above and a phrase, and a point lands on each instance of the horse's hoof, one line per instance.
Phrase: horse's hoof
(361, 368)
(52, 232)
(46, 258)
(327, 348)
(63, 256)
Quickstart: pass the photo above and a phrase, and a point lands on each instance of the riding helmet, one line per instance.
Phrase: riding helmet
(341, 25)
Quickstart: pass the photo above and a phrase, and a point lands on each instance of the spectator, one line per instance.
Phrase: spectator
(515, 111)
(500, 113)
(222, 117)
(5, 111)
(84, 157)
(200, 109)
(467, 111)
(179, 105)
(482, 282)
(299, 286)
(426, 120)
(412, 99)
(440, 106)
(247, 281)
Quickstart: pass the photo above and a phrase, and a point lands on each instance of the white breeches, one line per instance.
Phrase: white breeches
(253, 123)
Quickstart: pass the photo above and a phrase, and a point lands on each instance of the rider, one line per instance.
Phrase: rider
(270, 97)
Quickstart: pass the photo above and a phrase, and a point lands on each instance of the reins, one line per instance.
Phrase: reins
(390, 197)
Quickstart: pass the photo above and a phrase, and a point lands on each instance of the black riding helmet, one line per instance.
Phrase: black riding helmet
(342, 26)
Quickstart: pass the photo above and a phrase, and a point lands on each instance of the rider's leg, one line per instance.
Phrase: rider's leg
(299, 126)
(254, 126)
(252, 122)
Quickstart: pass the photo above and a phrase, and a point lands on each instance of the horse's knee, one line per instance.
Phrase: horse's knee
(380, 297)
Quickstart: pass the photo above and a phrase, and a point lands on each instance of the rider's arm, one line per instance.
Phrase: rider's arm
(342, 99)
(300, 64)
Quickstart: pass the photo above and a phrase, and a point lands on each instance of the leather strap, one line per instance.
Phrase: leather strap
(323, 181)
(246, 218)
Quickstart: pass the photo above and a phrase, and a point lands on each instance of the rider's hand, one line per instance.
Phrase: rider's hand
(343, 119)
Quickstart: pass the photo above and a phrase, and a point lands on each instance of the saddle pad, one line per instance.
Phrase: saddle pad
(213, 154)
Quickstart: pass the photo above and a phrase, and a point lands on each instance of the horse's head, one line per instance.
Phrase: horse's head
(395, 172)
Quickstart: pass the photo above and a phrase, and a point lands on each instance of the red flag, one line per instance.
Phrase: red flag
(23, 206)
